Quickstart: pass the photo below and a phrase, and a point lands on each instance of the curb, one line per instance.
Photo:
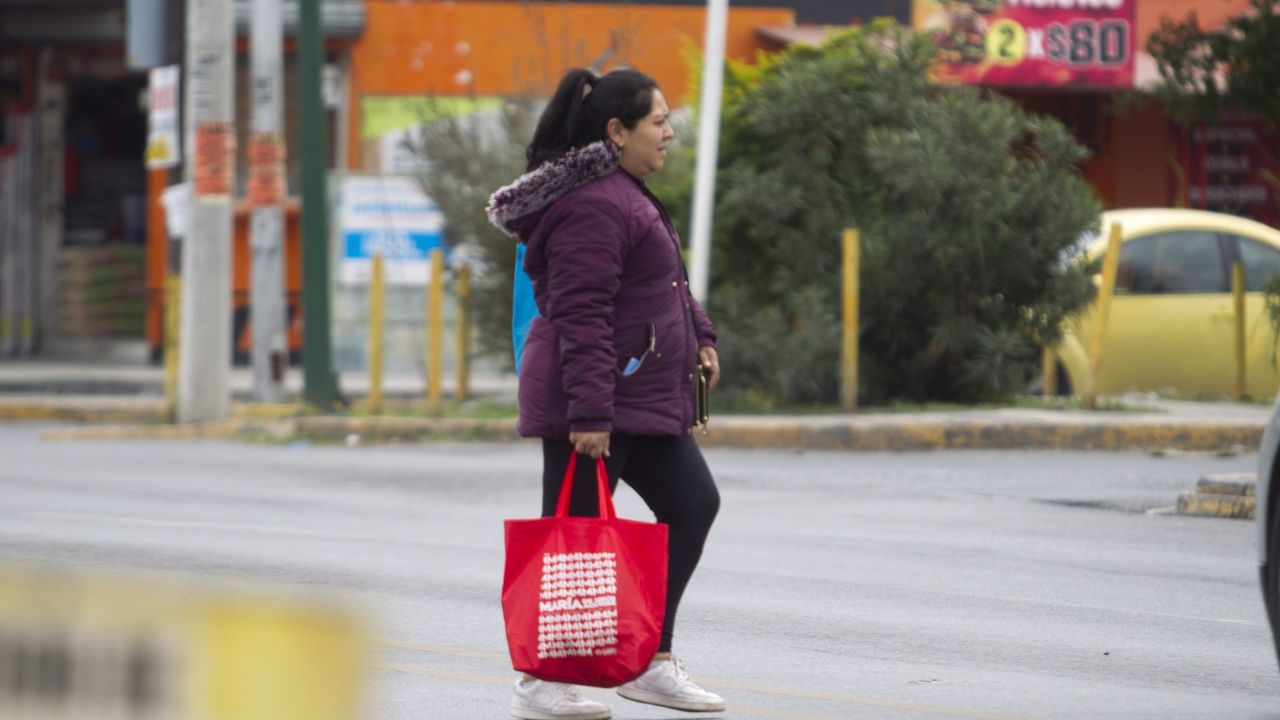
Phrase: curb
(37, 412)
(278, 423)
(1224, 496)
(143, 412)
(319, 428)
(394, 429)
(905, 436)
(1222, 506)
(218, 429)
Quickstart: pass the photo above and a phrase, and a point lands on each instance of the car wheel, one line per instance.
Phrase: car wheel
(1271, 578)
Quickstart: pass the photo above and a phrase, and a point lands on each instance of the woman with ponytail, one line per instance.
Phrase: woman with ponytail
(611, 368)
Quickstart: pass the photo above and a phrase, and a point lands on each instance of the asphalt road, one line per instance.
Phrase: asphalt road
(917, 585)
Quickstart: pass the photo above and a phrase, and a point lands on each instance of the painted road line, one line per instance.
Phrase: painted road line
(718, 684)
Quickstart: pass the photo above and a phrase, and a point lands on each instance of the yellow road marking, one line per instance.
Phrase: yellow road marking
(721, 684)
(441, 650)
(853, 700)
(436, 672)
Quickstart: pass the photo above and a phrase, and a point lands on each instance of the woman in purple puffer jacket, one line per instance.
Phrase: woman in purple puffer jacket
(610, 369)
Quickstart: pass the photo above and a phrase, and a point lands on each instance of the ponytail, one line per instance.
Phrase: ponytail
(581, 108)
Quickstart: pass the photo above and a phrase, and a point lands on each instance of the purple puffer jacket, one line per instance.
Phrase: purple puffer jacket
(605, 264)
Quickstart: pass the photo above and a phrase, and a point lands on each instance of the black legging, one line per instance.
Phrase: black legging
(669, 474)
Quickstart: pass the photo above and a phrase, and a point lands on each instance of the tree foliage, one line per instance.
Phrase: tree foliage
(467, 158)
(1234, 67)
(969, 211)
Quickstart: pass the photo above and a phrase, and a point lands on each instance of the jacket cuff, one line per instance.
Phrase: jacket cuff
(591, 426)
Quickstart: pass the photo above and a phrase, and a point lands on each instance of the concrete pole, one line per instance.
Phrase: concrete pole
(204, 352)
(266, 196)
(704, 189)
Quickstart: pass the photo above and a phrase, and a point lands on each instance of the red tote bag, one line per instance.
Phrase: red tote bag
(584, 597)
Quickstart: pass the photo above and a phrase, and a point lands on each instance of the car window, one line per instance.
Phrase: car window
(1185, 261)
(1261, 261)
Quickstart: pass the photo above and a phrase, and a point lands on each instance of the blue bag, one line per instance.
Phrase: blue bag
(523, 308)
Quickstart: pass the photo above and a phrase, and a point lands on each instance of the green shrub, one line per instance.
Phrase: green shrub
(969, 210)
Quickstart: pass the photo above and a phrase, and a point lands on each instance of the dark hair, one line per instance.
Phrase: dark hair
(577, 117)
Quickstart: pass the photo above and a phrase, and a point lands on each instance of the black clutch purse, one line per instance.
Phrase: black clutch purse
(702, 401)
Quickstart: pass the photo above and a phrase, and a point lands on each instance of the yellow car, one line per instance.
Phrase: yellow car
(1171, 322)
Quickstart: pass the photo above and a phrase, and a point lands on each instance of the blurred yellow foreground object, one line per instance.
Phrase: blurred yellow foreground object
(73, 647)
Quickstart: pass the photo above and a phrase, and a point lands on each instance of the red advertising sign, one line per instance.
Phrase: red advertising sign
(215, 162)
(1231, 167)
(1031, 43)
(266, 169)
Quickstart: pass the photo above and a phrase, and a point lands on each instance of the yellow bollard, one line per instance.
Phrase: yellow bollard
(26, 331)
(1109, 265)
(377, 327)
(172, 325)
(849, 354)
(435, 331)
(1048, 375)
(464, 333)
(1237, 294)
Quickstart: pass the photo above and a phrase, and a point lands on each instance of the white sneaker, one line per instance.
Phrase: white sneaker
(542, 700)
(666, 683)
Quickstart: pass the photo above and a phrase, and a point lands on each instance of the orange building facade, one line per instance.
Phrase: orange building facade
(482, 49)
(1140, 158)
(486, 49)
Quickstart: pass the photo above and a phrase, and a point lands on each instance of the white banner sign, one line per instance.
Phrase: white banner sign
(388, 216)
(163, 150)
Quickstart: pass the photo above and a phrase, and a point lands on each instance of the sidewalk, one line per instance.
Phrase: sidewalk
(126, 401)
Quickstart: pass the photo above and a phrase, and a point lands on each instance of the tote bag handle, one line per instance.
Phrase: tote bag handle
(602, 489)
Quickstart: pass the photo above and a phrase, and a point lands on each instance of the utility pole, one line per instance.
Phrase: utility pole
(204, 352)
(320, 385)
(266, 196)
(704, 188)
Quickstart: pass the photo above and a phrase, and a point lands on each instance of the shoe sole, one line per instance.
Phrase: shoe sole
(531, 714)
(652, 698)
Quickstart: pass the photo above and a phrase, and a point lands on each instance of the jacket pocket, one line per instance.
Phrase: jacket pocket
(633, 347)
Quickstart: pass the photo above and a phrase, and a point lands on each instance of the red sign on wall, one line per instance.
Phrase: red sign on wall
(1031, 43)
(1231, 167)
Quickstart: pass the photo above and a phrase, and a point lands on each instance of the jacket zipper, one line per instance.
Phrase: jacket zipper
(691, 327)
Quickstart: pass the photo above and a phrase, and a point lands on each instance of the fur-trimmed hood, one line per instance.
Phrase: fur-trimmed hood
(538, 189)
